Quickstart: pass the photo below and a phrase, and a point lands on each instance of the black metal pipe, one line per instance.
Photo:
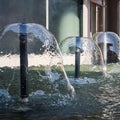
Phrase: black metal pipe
(77, 63)
(77, 58)
(23, 62)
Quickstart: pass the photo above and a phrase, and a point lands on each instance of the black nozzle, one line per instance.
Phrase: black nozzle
(23, 62)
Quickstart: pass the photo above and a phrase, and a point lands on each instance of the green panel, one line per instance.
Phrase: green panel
(69, 25)
(64, 18)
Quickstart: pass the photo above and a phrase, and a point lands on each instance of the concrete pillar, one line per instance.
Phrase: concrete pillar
(118, 20)
(86, 18)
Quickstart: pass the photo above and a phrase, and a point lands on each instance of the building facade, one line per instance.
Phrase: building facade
(102, 15)
(64, 18)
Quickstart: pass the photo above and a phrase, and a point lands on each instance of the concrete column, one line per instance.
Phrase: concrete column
(86, 18)
(104, 16)
(118, 20)
(47, 14)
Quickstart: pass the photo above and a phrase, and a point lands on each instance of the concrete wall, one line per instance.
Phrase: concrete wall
(112, 15)
(12, 11)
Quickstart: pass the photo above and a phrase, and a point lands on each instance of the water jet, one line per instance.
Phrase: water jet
(109, 45)
(32, 42)
(82, 51)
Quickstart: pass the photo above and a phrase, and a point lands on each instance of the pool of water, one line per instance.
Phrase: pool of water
(96, 98)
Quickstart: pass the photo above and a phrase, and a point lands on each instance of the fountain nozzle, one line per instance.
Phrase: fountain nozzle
(78, 51)
(23, 62)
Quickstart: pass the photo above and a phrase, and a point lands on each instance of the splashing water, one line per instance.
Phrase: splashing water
(4, 95)
(97, 97)
(108, 43)
(91, 54)
(104, 65)
(42, 49)
(90, 49)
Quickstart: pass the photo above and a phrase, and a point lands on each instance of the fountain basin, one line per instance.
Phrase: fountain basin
(96, 96)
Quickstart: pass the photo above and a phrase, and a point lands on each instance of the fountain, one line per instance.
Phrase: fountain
(45, 79)
(82, 51)
(106, 91)
(109, 45)
(36, 42)
(78, 51)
